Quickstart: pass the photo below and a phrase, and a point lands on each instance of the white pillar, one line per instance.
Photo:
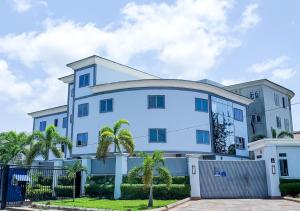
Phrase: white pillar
(56, 164)
(193, 168)
(121, 169)
(272, 171)
(86, 162)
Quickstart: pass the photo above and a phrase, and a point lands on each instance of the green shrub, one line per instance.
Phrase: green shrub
(290, 188)
(41, 193)
(139, 191)
(107, 179)
(158, 180)
(289, 181)
(100, 190)
(63, 191)
(44, 180)
(64, 180)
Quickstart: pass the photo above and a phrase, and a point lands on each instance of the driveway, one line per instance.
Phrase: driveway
(238, 204)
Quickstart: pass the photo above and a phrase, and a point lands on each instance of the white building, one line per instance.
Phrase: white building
(175, 116)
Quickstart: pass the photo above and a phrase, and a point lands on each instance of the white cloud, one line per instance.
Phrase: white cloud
(250, 18)
(10, 86)
(187, 39)
(282, 74)
(231, 81)
(22, 5)
(268, 64)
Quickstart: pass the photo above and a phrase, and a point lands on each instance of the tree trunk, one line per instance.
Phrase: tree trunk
(74, 188)
(150, 202)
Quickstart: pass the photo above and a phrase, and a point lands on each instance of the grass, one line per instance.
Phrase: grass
(109, 204)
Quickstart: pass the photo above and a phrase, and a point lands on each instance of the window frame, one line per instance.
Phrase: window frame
(157, 135)
(65, 122)
(284, 167)
(236, 116)
(106, 105)
(156, 102)
(77, 139)
(278, 122)
(238, 144)
(207, 134)
(203, 105)
(84, 80)
(82, 114)
(44, 127)
(55, 122)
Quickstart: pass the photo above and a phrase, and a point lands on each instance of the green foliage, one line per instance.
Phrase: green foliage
(74, 168)
(257, 137)
(101, 191)
(289, 181)
(117, 136)
(139, 191)
(64, 180)
(282, 134)
(63, 191)
(159, 180)
(39, 192)
(290, 188)
(46, 142)
(44, 180)
(107, 179)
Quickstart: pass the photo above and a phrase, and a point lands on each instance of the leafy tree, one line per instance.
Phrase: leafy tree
(220, 133)
(116, 136)
(282, 134)
(13, 144)
(150, 165)
(72, 171)
(46, 142)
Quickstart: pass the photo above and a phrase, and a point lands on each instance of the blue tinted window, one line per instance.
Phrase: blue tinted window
(106, 105)
(157, 135)
(238, 114)
(65, 122)
(43, 125)
(83, 110)
(84, 80)
(201, 104)
(156, 101)
(82, 139)
(202, 137)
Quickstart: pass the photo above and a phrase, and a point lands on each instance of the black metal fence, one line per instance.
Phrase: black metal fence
(24, 184)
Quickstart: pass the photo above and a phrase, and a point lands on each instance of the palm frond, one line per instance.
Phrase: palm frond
(64, 140)
(126, 140)
(74, 168)
(148, 168)
(56, 152)
(165, 175)
(135, 172)
(274, 133)
(34, 151)
(285, 134)
(158, 157)
(102, 149)
(119, 124)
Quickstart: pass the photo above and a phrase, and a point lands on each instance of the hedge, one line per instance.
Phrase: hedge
(289, 181)
(158, 180)
(108, 180)
(100, 190)
(44, 180)
(139, 191)
(64, 180)
(290, 188)
(63, 191)
(41, 193)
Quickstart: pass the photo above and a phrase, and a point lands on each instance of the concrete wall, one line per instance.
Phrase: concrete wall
(292, 156)
(105, 75)
(103, 167)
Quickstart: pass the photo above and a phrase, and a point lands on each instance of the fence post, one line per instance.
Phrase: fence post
(120, 170)
(57, 165)
(4, 186)
(193, 168)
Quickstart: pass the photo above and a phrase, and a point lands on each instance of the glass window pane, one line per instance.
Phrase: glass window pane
(160, 101)
(102, 106)
(109, 105)
(161, 135)
(151, 101)
(153, 135)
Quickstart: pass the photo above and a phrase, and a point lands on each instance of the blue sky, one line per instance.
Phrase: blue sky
(224, 40)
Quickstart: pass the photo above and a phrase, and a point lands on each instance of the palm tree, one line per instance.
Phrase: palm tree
(72, 171)
(13, 144)
(150, 165)
(116, 136)
(47, 142)
(282, 134)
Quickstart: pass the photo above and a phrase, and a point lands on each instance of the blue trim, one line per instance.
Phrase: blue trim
(159, 88)
(85, 67)
(157, 142)
(84, 82)
(58, 113)
(106, 100)
(210, 125)
(95, 74)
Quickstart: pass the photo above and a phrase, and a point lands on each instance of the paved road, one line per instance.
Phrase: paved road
(239, 205)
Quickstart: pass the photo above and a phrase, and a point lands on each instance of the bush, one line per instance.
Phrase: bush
(100, 190)
(44, 180)
(289, 181)
(290, 188)
(158, 180)
(63, 191)
(139, 191)
(64, 180)
(40, 193)
(108, 180)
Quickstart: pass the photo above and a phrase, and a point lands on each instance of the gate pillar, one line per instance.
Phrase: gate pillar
(193, 168)
(121, 169)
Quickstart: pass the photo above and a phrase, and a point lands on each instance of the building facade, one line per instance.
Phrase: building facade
(271, 107)
(175, 116)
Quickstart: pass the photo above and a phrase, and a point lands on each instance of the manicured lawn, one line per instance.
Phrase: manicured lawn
(109, 204)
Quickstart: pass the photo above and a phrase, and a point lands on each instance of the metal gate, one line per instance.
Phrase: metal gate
(233, 179)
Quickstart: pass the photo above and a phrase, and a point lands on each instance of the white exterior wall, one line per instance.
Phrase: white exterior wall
(70, 109)
(179, 113)
(229, 158)
(240, 130)
(105, 75)
(272, 110)
(292, 155)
